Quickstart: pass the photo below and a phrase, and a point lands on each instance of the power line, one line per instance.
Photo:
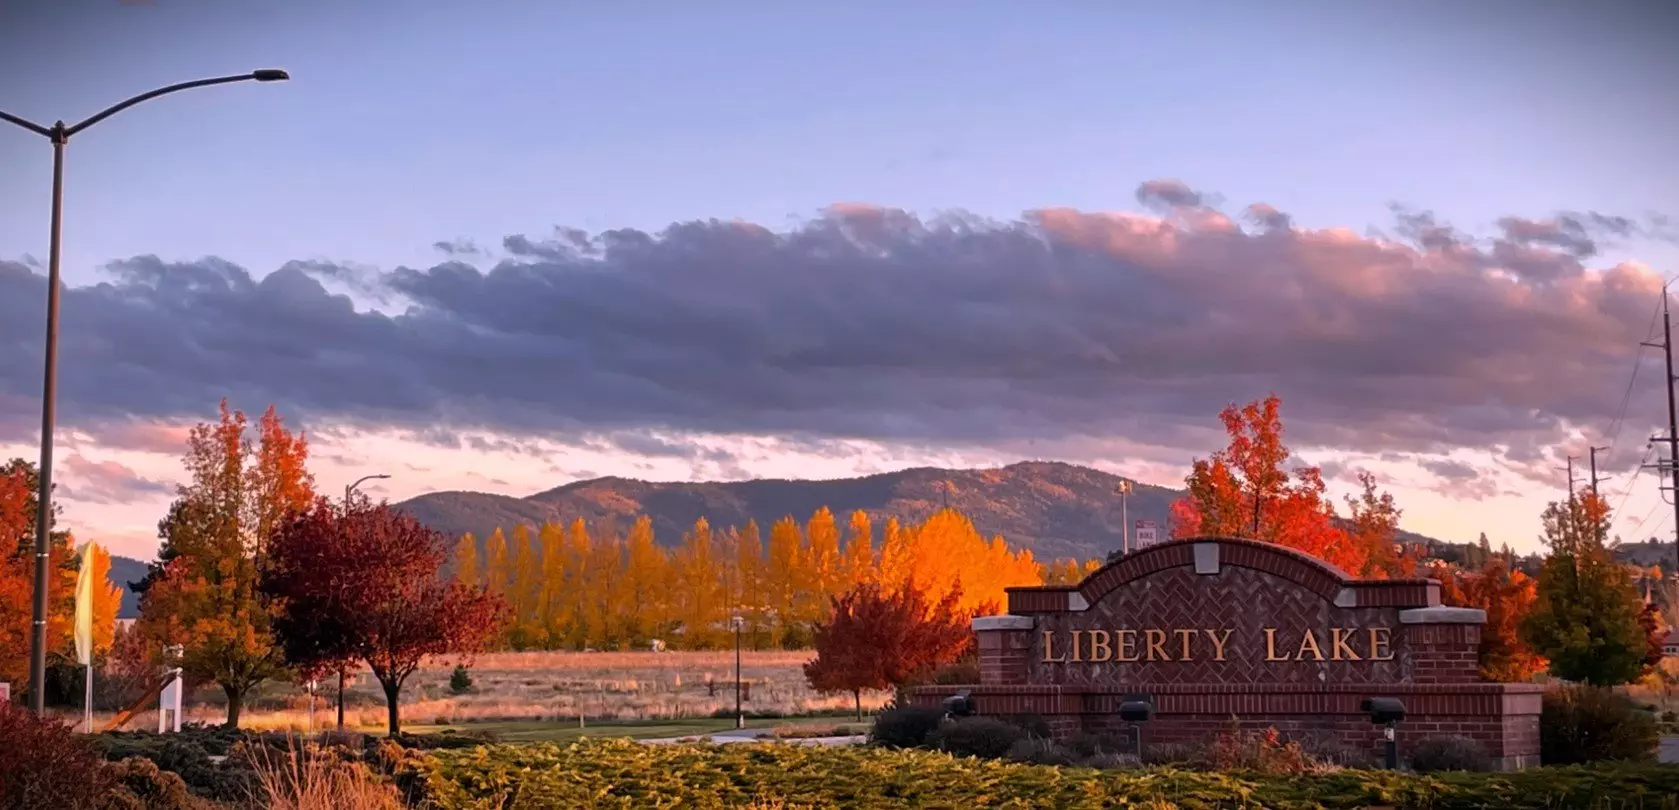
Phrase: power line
(1632, 379)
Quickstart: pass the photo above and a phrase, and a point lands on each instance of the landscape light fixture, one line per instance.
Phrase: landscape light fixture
(1386, 712)
(960, 704)
(1137, 709)
(59, 134)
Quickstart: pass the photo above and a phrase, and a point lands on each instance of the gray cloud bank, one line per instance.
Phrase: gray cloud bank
(873, 323)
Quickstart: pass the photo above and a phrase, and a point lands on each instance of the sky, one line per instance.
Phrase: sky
(504, 245)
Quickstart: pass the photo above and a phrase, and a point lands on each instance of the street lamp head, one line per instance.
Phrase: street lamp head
(270, 75)
(382, 476)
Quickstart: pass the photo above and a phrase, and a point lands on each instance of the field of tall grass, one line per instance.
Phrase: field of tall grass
(547, 686)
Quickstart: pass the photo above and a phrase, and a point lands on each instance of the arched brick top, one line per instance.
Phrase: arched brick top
(1308, 572)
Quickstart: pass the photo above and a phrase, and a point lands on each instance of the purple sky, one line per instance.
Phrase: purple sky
(409, 124)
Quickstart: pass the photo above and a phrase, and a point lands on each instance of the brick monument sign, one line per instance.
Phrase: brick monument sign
(1212, 629)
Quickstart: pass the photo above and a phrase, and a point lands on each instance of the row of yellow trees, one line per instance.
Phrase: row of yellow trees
(578, 586)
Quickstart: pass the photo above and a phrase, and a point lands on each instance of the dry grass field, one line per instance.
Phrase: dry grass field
(550, 687)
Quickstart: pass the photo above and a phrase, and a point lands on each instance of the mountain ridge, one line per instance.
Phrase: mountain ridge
(1054, 508)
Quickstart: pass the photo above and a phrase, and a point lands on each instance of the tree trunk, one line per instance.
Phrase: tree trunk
(392, 691)
(235, 703)
(340, 700)
(857, 698)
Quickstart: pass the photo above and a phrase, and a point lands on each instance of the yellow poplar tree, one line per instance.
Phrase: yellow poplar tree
(822, 559)
(783, 579)
(749, 562)
(556, 611)
(859, 563)
(644, 584)
(524, 592)
(466, 561)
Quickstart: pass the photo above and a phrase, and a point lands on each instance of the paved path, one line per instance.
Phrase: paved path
(1669, 751)
(751, 737)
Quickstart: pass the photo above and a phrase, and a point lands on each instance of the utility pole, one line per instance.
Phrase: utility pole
(1596, 479)
(1672, 437)
(1571, 479)
(1124, 492)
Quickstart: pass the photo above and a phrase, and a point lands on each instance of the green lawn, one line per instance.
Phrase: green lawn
(567, 730)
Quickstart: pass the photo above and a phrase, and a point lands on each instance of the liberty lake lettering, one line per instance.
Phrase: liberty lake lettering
(1157, 644)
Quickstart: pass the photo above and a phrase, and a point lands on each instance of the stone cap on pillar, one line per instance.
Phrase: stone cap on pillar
(1442, 614)
(1004, 622)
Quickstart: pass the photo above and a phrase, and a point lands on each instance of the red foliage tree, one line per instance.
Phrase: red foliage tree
(877, 639)
(1650, 620)
(1244, 491)
(365, 582)
(1507, 595)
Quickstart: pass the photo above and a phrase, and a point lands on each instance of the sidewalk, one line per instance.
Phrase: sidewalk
(751, 736)
(1669, 750)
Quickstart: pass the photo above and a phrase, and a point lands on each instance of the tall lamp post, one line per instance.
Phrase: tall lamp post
(349, 490)
(738, 622)
(59, 133)
(1124, 492)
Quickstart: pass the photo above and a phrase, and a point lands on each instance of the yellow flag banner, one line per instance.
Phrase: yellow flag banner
(84, 608)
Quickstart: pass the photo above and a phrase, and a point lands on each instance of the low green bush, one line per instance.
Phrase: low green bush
(1039, 751)
(1581, 724)
(904, 726)
(984, 737)
(617, 773)
(1433, 754)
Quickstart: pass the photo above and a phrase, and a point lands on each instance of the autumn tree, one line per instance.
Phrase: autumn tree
(367, 582)
(1243, 491)
(1507, 596)
(1585, 620)
(19, 489)
(878, 639)
(206, 597)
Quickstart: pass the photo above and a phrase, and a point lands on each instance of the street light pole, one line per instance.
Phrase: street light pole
(348, 490)
(740, 717)
(1124, 490)
(60, 134)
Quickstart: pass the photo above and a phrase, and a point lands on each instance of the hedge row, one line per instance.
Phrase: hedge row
(617, 773)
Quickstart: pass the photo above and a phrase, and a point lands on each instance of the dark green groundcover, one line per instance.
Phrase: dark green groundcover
(603, 774)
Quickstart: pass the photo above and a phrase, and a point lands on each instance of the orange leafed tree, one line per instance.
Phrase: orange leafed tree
(1507, 595)
(1243, 491)
(877, 639)
(18, 490)
(204, 597)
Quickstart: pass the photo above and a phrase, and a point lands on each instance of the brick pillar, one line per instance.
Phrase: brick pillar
(1005, 648)
(1442, 643)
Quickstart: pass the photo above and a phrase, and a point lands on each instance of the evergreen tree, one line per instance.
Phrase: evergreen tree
(1585, 620)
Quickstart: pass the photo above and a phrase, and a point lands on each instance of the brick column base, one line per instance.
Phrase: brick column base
(1503, 718)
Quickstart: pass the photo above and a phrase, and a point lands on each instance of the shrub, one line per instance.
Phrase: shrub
(622, 773)
(1039, 751)
(1171, 753)
(962, 671)
(1580, 724)
(1112, 762)
(312, 778)
(141, 785)
(1449, 753)
(984, 737)
(460, 681)
(44, 764)
(1260, 751)
(904, 727)
(1089, 744)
